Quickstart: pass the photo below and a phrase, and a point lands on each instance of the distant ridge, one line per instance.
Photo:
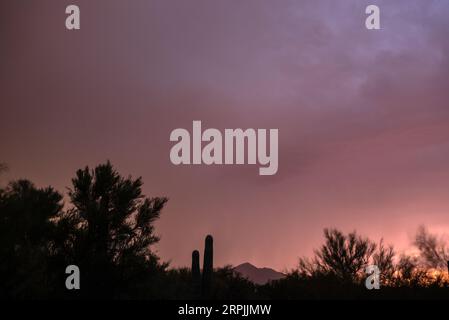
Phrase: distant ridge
(258, 275)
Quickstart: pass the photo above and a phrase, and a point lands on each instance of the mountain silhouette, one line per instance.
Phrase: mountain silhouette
(258, 275)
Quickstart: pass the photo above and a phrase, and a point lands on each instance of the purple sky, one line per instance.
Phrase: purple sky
(363, 116)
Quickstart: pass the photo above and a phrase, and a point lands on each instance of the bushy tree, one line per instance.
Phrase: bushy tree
(342, 255)
(112, 225)
(26, 229)
(383, 258)
(432, 249)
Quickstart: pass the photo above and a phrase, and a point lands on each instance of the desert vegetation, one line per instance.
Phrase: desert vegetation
(106, 227)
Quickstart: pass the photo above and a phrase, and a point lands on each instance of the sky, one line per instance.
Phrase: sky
(362, 114)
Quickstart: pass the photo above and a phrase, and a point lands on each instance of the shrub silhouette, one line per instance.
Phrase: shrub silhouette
(26, 232)
(383, 258)
(337, 272)
(433, 251)
(343, 256)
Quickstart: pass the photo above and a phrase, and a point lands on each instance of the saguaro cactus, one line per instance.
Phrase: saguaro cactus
(196, 274)
(202, 285)
(196, 264)
(208, 265)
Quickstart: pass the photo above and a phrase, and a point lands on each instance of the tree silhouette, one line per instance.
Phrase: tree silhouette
(343, 256)
(383, 258)
(113, 229)
(432, 249)
(410, 274)
(25, 233)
